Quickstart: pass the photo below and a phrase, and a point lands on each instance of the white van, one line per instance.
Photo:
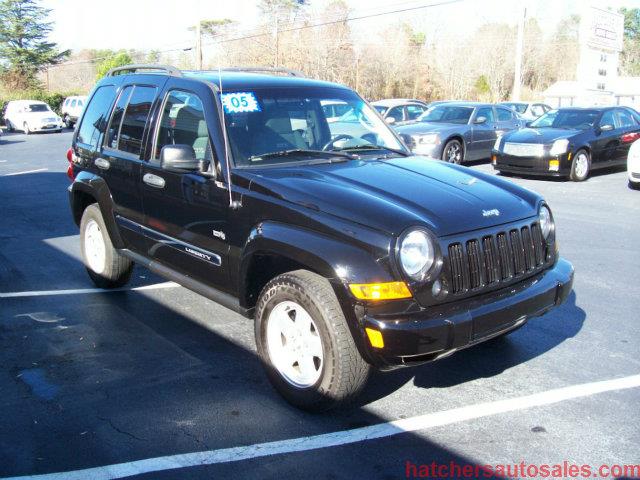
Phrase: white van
(72, 108)
(31, 116)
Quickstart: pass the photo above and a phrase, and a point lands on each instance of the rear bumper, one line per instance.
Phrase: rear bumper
(439, 331)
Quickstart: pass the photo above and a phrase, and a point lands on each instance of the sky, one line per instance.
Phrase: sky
(164, 24)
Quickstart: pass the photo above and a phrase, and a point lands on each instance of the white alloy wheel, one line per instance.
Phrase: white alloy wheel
(582, 165)
(94, 247)
(294, 344)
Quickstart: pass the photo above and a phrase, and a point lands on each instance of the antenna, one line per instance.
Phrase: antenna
(234, 205)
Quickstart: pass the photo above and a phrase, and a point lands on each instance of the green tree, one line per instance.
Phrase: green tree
(112, 60)
(24, 45)
(215, 27)
(630, 57)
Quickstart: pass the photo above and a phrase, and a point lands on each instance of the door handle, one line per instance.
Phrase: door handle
(153, 180)
(102, 164)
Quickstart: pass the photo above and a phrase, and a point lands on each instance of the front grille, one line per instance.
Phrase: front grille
(482, 262)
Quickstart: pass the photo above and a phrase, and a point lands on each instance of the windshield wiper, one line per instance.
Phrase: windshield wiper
(329, 155)
(373, 147)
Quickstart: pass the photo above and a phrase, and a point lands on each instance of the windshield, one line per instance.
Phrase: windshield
(447, 114)
(571, 119)
(380, 108)
(38, 107)
(262, 124)
(518, 107)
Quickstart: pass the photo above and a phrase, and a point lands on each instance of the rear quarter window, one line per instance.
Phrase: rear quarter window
(96, 116)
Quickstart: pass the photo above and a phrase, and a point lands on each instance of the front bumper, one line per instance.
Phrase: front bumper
(530, 165)
(439, 331)
(46, 127)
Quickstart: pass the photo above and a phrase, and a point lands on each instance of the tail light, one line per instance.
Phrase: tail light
(70, 173)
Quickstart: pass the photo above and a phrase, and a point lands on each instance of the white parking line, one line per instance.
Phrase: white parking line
(382, 430)
(26, 171)
(43, 293)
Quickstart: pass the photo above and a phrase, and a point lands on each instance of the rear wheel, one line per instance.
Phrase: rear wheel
(107, 267)
(67, 122)
(453, 152)
(10, 127)
(305, 344)
(634, 185)
(581, 166)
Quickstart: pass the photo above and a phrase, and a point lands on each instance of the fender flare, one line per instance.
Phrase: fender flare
(93, 185)
(338, 261)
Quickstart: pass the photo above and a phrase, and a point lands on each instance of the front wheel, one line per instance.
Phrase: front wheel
(634, 185)
(453, 152)
(580, 166)
(305, 344)
(25, 128)
(107, 267)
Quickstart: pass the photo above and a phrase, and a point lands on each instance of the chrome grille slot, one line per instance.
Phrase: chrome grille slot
(473, 255)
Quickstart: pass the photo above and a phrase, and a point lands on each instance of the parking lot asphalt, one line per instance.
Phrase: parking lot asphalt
(137, 377)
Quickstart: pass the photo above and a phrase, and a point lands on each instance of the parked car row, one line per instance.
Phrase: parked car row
(30, 116)
(525, 138)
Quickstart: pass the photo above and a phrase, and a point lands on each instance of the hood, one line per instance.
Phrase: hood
(425, 127)
(392, 195)
(539, 135)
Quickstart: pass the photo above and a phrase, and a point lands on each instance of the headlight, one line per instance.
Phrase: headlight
(430, 138)
(546, 222)
(416, 253)
(496, 146)
(559, 147)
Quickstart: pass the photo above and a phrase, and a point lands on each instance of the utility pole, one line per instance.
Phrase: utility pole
(277, 35)
(517, 78)
(199, 45)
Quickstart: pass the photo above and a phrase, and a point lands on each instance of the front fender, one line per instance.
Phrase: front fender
(332, 258)
(88, 188)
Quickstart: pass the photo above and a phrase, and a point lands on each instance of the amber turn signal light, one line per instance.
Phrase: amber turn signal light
(380, 291)
(375, 337)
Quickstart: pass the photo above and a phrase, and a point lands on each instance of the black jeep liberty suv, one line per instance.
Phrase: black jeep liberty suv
(348, 251)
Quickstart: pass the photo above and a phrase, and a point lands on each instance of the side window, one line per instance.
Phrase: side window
(80, 103)
(135, 119)
(395, 113)
(116, 117)
(183, 123)
(94, 121)
(537, 110)
(504, 115)
(608, 119)
(66, 102)
(414, 111)
(486, 112)
(625, 119)
(73, 103)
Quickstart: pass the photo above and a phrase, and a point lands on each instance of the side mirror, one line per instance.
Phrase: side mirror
(390, 120)
(480, 120)
(528, 124)
(606, 127)
(179, 157)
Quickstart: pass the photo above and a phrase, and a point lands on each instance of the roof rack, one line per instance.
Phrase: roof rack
(136, 67)
(286, 71)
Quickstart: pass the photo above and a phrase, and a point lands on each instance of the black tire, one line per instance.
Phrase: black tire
(344, 372)
(117, 268)
(67, 122)
(453, 152)
(634, 185)
(9, 125)
(576, 174)
(25, 128)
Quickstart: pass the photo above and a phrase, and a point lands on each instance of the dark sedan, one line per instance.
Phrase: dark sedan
(456, 132)
(569, 142)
